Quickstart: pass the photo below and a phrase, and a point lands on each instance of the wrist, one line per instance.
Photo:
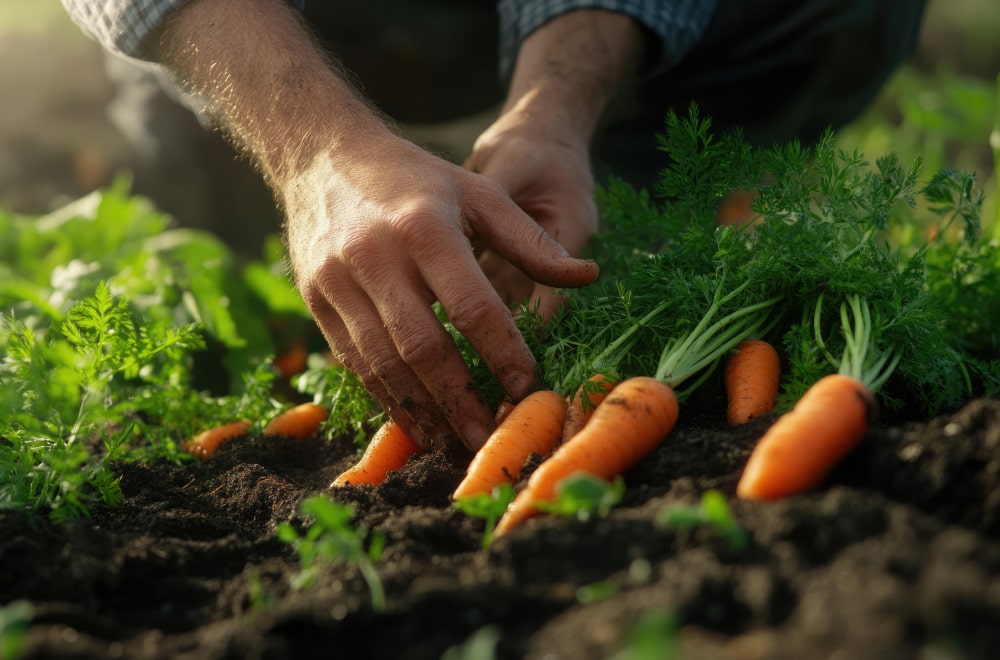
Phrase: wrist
(569, 69)
(269, 86)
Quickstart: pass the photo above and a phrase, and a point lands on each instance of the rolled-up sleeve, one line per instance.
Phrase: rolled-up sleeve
(677, 24)
(127, 27)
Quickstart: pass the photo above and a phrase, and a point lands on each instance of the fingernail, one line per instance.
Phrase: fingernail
(475, 435)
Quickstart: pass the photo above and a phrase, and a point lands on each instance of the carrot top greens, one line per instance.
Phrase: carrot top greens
(677, 291)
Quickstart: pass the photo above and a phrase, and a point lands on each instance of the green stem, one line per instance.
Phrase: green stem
(818, 331)
(708, 341)
(858, 361)
(370, 575)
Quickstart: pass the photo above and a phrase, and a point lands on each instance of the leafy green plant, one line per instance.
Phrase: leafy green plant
(14, 619)
(65, 385)
(712, 512)
(108, 349)
(353, 410)
(330, 538)
(582, 496)
(943, 117)
(488, 506)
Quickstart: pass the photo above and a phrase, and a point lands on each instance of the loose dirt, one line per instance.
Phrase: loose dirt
(896, 556)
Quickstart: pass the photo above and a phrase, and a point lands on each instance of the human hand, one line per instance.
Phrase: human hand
(546, 171)
(376, 235)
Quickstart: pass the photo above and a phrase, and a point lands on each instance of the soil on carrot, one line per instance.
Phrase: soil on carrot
(897, 556)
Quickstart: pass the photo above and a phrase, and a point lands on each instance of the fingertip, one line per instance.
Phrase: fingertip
(474, 435)
(580, 272)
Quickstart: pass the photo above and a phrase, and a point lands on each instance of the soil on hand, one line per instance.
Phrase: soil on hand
(895, 557)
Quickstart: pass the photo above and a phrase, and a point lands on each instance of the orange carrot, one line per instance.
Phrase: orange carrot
(389, 449)
(535, 425)
(799, 450)
(299, 422)
(736, 208)
(503, 410)
(585, 401)
(752, 378)
(292, 360)
(205, 444)
(625, 427)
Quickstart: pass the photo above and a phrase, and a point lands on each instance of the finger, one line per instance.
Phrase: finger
(415, 349)
(513, 235)
(517, 291)
(450, 270)
(406, 401)
(429, 352)
(546, 302)
(513, 286)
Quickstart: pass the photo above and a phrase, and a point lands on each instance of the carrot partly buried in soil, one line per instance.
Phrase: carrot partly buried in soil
(626, 426)
(594, 390)
(752, 378)
(829, 420)
(300, 422)
(640, 411)
(800, 448)
(389, 449)
(533, 426)
(205, 444)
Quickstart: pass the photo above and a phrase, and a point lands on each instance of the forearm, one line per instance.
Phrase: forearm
(568, 70)
(271, 88)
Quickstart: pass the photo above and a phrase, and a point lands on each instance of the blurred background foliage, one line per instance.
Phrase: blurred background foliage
(943, 105)
(57, 143)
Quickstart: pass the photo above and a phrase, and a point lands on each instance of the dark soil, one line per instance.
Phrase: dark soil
(897, 556)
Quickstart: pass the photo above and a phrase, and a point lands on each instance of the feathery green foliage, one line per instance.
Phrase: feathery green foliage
(824, 222)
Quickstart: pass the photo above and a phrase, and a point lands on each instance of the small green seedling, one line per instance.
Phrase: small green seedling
(595, 592)
(581, 495)
(488, 507)
(652, 637)
(712, 511)
(332, 536)
(14, 620)
(481, 645)
(260, 598)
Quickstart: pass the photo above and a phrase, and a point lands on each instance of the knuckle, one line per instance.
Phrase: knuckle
(419, 347)
(358, 251)
(420, 227)
(475, 312)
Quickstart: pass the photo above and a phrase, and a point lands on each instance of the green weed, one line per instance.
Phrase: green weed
(330, 538)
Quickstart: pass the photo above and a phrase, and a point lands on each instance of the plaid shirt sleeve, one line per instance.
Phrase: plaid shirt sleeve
(126, 27)
(679, 24)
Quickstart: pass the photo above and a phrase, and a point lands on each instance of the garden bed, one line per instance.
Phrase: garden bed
(895, 557)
